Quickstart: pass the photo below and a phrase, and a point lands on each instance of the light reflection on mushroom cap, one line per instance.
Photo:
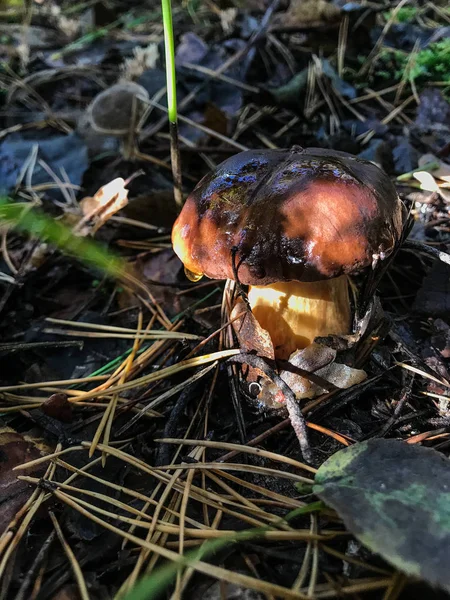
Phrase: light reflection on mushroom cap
(299, 215)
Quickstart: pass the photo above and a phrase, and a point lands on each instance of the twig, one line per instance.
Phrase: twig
(33, 569)
(23, 346)
(293, 408)
(426, 249)
(406, 393)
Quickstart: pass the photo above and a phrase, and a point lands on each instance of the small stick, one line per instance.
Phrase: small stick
(426, 249)
(241, 292)
(293, 408)
(22, 346)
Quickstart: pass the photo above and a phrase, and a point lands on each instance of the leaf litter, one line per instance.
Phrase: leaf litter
(154, 450)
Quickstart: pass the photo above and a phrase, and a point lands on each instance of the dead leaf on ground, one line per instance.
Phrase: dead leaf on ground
(394, 498)
(321, 361)
(164, 267)
(15, 449)
(98, 209)
(156, 208)
(441, 338)
(310, 12)
(215, 119)
(442, 172)
(252, 338)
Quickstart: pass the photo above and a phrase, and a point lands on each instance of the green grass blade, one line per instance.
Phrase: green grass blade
(27, 219)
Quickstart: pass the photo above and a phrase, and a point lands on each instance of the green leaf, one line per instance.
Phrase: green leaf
(395, 498)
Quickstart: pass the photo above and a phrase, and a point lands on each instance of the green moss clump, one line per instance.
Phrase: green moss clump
(428, 65)
(433, 63)
(406, 14)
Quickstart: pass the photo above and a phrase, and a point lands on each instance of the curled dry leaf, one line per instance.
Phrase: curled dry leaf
(142, 59)
(97, 209)
(251, 336)
(227, 19)
(320, 360)
(315, 358)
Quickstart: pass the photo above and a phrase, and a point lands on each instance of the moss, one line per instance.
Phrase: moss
(431, 64)
(406, 14)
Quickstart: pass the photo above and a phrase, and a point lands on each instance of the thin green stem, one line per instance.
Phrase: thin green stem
(169, 45)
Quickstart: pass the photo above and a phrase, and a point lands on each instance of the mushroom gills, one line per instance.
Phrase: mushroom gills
(296, 312)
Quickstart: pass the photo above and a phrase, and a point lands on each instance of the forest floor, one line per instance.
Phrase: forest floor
(95, 372)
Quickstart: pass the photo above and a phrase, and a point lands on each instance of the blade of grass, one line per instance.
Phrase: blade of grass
(169, 45)
(36, 223)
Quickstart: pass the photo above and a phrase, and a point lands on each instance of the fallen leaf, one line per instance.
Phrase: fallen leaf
(307, 12)
(191, 49)
(228, 19)
(405, 157)
(97, 209)
(441, 338)
(442, 171)
(15, 449)
(427, 181)
(250, 334)
(433, 109)
(63, 156)
(395, 498)
(320, 360)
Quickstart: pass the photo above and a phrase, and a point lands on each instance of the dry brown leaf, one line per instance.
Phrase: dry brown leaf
(97, 209)
(319, 360)
(250, 334)
(15, 449)
(309, 12)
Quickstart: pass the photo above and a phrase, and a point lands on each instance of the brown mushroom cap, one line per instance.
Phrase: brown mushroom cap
(302, 215)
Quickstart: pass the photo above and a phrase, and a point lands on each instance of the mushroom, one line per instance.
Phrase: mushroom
(117, 112)
(292, 225)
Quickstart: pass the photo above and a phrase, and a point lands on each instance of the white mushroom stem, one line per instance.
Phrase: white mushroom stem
(294, 312)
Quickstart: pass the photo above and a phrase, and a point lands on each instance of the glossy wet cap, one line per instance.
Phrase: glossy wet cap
(301, 214)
